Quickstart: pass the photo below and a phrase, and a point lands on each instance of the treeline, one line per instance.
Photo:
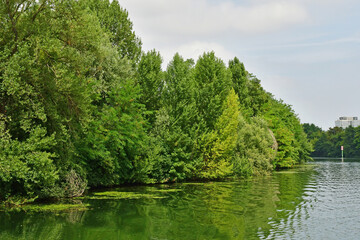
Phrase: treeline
(82, 105)
(328, 143)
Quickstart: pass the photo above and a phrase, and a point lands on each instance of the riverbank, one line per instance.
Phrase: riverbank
(63, 204)
(240, 209)
(314, 201)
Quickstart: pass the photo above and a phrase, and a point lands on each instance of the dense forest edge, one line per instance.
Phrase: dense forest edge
(327, 144)
(83, 106)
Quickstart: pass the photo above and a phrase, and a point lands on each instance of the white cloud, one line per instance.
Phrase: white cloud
(195, 49)
(300, 49)
(304, 44)
(205, 18)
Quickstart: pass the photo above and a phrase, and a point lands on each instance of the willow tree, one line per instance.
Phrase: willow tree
(45, 76)
(59, 74)
(115, 20)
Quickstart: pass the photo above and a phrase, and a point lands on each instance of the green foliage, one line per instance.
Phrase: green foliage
(116, 21)
(218, 146)
(254, 150)
(26, 167)
(212, 83)
(179, 92)
(328, 143)
(150, 79)
(115, 139)
(170, 150)
(64, 85)
(252, 96)
(314, 133)
(293, 145)
(174, 132)
(80, 104)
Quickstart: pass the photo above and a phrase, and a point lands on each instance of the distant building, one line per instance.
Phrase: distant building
(345, 122)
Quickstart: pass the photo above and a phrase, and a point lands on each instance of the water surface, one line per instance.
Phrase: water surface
(317, 201)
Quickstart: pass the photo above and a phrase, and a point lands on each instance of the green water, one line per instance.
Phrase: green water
(320, 201)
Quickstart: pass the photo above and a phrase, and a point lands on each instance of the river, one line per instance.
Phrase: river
(320, 200)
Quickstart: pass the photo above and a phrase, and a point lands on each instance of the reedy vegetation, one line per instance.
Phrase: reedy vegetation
(81, 104)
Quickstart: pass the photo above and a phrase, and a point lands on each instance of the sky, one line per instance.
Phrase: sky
(305, 52)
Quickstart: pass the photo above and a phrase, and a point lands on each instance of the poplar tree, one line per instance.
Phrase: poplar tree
(150, 79)
(174, 130)
(218, 146)
(212, 84)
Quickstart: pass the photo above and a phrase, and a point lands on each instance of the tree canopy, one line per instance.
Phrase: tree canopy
(80, 100)
(328, 143)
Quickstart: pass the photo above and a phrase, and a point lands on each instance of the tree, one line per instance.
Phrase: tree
(61, 78)
(255, 148)
(115, 20)
(179, 92)
(45, 74)
(251, 94)
(218, 145)
(79, 102)
(293, 145)
(115, 140)
(174, 131)
(26, 167)
(322, 147)
(348, 142)
(150, 79)
(212, 83)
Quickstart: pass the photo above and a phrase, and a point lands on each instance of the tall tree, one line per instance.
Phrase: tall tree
(293, 145)
(174, 131)
(115, 20)
(218, 145)
(213, 82)
(58, 70)
(251, 94)
(151, 81)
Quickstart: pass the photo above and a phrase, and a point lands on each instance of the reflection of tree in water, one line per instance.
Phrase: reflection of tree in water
(229, 210)
(27, 226)
(219, 210)
(75, 216)
(292, 185)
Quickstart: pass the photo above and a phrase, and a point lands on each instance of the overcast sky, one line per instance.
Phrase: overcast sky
(306, 52)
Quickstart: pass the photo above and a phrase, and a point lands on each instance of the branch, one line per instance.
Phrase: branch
(42, 6)
(17, 7)
(23, 9)
(11, 17)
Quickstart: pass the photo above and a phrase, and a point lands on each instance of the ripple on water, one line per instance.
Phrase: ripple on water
(330, 206)
(321, 202)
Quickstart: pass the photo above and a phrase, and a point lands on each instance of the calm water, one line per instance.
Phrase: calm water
(320, 201)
